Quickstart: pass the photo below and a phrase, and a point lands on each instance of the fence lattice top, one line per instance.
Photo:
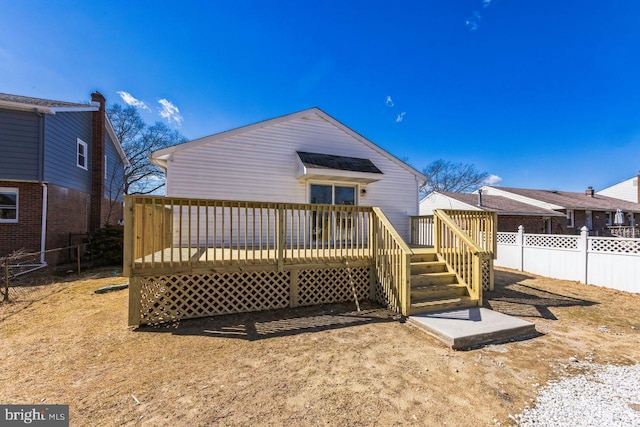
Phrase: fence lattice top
(551, 241)
(616, 245)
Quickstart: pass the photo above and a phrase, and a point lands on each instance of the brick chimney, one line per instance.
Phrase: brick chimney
(589, 192)
(98, 123)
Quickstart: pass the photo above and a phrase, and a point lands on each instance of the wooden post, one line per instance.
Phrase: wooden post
(477, 278)
(78, 257)
(293, 288)
(128, 251)
(373, 253)
(134, 301)
(6, 280)
(406, 272)
(280, 236)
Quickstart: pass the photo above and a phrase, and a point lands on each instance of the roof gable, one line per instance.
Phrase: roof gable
(159, 157)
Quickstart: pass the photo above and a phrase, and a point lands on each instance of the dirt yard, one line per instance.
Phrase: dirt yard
(315, 366)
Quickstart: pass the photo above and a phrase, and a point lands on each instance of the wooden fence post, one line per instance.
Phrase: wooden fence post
(78, 257)
(6, 280)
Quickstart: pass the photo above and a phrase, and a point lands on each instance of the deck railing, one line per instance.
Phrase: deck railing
(393, 264)
(168, 235)
(166, 232)
(422, 230)
(465, 243)
(480, 226)
(624, 231)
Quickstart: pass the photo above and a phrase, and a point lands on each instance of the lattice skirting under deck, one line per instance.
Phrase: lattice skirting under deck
(175, 297)
(487, 275)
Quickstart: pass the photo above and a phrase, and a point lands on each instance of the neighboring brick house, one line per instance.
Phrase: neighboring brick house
(61, 171)
(511, 213)
(595, 211)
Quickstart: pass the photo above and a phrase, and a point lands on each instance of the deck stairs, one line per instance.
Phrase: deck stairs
(433, 286)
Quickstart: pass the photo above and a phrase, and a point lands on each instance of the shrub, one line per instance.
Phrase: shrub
(105, 245)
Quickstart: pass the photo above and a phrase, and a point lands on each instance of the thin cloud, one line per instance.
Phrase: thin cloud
(486, 3)
(492, 180)
(131, 100)
(473, 22)
(389, 102)
(169, 111)
(400, 117)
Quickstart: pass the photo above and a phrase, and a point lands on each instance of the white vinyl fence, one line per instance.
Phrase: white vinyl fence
(611, 262)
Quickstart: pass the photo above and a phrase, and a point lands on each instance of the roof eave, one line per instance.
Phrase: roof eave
(25, 107)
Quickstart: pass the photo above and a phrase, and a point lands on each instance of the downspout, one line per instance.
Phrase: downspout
(43, 230)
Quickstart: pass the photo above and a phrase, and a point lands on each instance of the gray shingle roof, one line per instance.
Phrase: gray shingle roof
(328, 161)
(502, 205)
(577, 201)
(39, 102)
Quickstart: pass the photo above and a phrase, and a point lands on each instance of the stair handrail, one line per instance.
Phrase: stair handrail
(466, 261)
(442, 216)
(392, 263)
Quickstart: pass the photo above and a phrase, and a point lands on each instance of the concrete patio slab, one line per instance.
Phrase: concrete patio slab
(472, 327)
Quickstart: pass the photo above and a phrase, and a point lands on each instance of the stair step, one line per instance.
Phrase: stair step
(432, 292)
(424, 257)
(422, 267)
(445, 304)
(442, 278)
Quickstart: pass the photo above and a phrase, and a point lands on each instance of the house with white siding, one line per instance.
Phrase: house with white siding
(626, 190)
(293, 211)
(304, 157)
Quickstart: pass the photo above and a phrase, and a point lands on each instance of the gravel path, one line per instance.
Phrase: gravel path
(605, 395)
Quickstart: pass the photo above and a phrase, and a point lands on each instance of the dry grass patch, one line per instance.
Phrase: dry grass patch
(323, 365)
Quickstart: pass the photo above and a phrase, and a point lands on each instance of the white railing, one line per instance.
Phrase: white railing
(611, 262)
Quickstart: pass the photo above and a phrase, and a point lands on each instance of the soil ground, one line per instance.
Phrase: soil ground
(324, 365)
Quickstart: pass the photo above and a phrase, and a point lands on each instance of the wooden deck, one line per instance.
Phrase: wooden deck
(194, 257)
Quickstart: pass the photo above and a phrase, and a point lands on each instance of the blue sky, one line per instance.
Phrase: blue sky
(541, 94)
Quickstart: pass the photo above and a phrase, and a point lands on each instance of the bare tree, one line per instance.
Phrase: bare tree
(452, 177)
(138, 140)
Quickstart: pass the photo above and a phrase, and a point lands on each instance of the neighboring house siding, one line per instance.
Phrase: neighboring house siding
(440, 201)
(19, 145)
(625, 190)
(61, 133)
(115, 171)
(261, 165)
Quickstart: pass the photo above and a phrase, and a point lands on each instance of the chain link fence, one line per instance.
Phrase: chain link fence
(29, 277)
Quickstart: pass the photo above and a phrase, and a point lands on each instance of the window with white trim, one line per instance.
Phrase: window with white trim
(82, 154)
(8, 205)
(570, 217)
